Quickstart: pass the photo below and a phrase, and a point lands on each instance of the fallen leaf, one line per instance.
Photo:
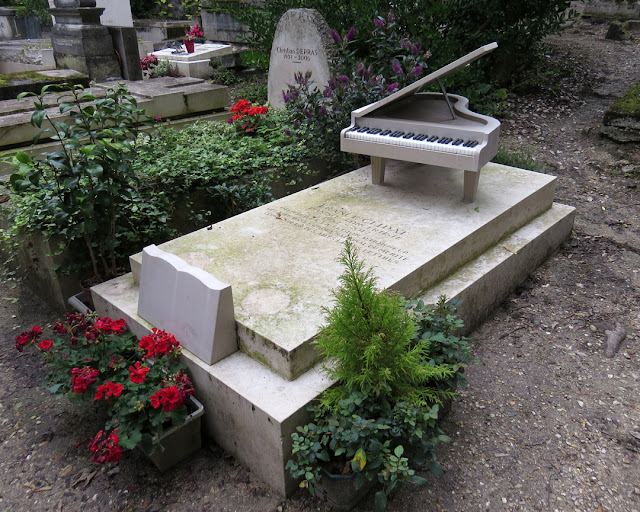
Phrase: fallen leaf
(42, 489)
(86, 476)
(65, 471)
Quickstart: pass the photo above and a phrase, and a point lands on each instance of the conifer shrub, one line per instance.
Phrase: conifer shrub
(381, 415)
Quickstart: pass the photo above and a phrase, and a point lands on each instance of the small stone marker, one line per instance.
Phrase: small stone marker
(189, 303)
(300, 44)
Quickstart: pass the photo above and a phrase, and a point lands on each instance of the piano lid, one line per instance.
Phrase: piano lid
(436, 75)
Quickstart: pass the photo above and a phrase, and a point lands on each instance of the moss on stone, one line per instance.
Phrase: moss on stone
(30, 76)
(629, 102)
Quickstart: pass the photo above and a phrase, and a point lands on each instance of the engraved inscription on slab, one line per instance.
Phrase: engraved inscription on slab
(373, 237)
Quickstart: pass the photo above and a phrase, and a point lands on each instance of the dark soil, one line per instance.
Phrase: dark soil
(547, 422)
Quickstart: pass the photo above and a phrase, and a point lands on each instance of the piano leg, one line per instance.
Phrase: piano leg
(470, 185)
(377, 170)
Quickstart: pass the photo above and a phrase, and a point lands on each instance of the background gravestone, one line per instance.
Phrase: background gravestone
(302, 43)
(80, 42)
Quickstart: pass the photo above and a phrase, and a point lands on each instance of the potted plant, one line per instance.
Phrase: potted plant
(381, 414)
(190, 37)
(143, 387)
(83, 189)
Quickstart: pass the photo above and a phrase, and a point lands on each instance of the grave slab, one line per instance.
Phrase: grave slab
(195, 64)
(167, 97)
(280, 259)
(250, 410)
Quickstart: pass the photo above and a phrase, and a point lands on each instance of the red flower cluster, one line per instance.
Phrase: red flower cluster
(196, 31)
(169, 398)
(107, 326)
(243, 110)
(148, 62)
(160, 343)
(137, 373)
(82, 378)
(45, 345)
(108, 389)
(80, 325)
(182, 383)
(105, 448)
(27, 337)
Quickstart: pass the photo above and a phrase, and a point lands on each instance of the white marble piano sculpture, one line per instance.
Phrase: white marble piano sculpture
(428, 128)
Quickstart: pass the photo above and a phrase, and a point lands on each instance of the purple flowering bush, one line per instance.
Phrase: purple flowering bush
(359, 77)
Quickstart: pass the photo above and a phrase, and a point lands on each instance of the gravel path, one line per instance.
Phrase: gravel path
(547, 423)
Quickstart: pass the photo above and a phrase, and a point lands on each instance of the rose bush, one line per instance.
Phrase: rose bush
(141, 383)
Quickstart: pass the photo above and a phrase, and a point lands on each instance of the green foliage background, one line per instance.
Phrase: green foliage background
(449, 28)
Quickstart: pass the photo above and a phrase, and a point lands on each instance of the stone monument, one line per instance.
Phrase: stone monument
(301, 43)
(80, 42)
(280, 260)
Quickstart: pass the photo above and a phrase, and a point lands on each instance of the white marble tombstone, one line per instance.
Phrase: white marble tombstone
(300, 44)
(117, 13)
(188, 302)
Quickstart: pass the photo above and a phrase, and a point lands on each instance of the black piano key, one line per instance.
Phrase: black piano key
(466, 144)
(420, 137)
(385, 132)
(374, 131)
(362, 129)
(457, 142)
(473, 144)
(433, 138)
(445, 140)
(408, 135)
(397, 133)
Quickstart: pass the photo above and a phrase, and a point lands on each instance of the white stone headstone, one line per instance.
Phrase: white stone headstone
(117, 13)
(188, 302)
(300, 44)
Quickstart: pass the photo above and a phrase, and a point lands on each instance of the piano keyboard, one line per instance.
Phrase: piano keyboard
(414, 140)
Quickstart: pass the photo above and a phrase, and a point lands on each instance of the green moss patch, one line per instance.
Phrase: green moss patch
(629, 102)
(12, 84)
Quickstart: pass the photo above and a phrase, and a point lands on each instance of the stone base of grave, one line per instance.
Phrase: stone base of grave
(416, 232)
(166, 97)
(80, 42)
(196, 64)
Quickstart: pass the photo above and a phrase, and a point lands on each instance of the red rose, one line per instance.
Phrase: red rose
(45, 345)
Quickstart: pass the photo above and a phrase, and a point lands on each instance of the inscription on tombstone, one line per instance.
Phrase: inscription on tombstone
(301, 43)
(373, 237)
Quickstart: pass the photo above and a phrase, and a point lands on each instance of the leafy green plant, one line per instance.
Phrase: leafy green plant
(213, 173)
(142, 385)
(222, 75)
(448, 28)
(366, 436)
(79, 192)
(437, 325)
(253, 91)
(384, 405)
(255, 59)
(163, 68)
(39, 8)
